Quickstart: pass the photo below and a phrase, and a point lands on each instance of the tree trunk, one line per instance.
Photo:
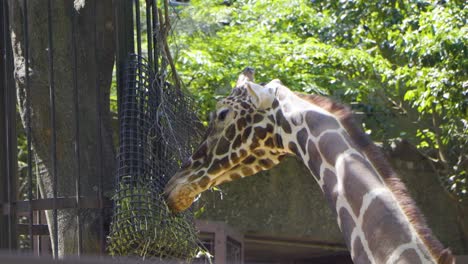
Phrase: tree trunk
(91, 73)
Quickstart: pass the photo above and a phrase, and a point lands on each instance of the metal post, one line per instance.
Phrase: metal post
(3, 175)
(102, 242)
(123, 18)
(53, 149)
(149, 31)
(8, 152)
(28, 121)
(76, 109)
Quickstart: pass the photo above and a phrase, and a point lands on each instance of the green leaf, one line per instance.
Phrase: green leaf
(409, 95)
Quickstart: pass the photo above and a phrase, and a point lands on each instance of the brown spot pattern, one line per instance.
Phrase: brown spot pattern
(201, 173)
(270, 117)
(225, 162)
(286, 127)
(293, 147)
(408, 256)
(258, 118)
(269, 128)
(231, 132)
(249, 160)
(237, 142)
(203, 183)
(302, 137)
(318, 122)
(297, 119)
(275, 104)
(241, 124)
(234, 157)
(354, 130)
(269, 143)
(379, 225)
(315, 160)
(215, 168)
(245, 105)
(201, 152)
(196, 164)
(282, 122)
(266, 163)
(329, 183)
(223, 146)
(242, 153)
(235, 176)
(279, 140)
(260, 132)
(193, 177)
(254, 144)
(354, 185)
(364, 144)
(247, 171)
(360, 256)
(246, 134)
(259, 152)
(347, 225)
(331, 145)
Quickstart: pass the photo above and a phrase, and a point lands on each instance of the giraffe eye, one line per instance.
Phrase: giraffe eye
(222, 115)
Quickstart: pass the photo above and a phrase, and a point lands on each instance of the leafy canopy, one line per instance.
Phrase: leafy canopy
(395, 60)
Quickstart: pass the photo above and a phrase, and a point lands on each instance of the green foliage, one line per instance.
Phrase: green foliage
(400, 59)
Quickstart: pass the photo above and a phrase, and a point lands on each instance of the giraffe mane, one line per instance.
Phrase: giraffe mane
(379, 161)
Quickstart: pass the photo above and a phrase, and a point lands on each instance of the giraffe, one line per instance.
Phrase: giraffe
(256, 126)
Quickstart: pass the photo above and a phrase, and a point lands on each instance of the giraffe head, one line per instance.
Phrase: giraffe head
(241, 140)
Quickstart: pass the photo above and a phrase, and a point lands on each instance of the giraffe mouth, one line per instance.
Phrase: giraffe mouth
(178, 196)
(181, 190)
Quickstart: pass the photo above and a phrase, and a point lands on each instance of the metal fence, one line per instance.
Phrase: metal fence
(47, 61)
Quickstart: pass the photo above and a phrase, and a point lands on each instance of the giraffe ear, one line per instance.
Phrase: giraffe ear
(261, 96)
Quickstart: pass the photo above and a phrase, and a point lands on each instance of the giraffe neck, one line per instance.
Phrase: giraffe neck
(376, 226)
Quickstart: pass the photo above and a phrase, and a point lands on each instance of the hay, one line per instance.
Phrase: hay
(154, 140)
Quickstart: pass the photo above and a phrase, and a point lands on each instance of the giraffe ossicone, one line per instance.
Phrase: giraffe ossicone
(256, 126)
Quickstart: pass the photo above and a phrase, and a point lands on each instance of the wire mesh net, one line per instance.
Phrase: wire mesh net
(154, 139)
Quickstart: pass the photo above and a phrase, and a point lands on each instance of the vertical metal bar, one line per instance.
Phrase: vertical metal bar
(149, 30)
(53, 127)
(38, 213)
(125, 41)
(3, 174)
(99, 141)
(9, 111)
(28, 119)
(138, 26)
(76, 110)
(119, 46)
(155, 35)
(6, 110)
(4, 231)
(139, 96)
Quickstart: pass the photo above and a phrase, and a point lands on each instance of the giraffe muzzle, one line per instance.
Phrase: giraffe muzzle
(178, 196)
